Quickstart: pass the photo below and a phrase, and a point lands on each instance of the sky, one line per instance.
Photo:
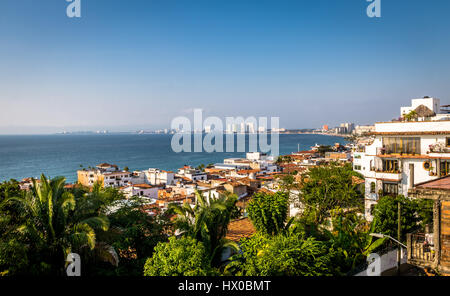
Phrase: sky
(130, 65)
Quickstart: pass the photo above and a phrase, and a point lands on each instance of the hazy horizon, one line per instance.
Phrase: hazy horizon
(128, 66)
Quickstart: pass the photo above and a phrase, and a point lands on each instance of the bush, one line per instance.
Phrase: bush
(179, 257)
(281, 255)
(268, 212)
(414, 214)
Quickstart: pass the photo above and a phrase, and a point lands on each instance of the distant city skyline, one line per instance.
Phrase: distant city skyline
(126, 67)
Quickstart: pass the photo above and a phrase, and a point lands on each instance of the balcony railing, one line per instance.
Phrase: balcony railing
(420, 249)
(379, 170)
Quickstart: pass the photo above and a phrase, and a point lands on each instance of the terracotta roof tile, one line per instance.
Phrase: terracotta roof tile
(238, 229)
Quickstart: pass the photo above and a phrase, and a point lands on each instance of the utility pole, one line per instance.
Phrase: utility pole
(399, 231)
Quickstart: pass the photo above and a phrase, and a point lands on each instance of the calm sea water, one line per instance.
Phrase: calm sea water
(62, 155)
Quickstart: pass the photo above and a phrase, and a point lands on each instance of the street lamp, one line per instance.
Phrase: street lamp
(380, 235)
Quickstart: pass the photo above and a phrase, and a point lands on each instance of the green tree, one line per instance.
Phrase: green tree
(326, 188)
(268, 212)
(134, 234)
(385, 213)
(207, 222)
(179, 257)
(350, 239)
(411, 115)
(52, 224)
(283, 255)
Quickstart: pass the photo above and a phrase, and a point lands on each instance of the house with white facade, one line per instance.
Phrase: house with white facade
(154, 177)
(141, 190)
(107, 175)
(405, 153)
(192, 174)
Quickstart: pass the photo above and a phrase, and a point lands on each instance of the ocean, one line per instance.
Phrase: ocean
(62, 155)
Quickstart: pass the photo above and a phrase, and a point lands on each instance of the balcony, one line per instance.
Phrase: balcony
(421, 249)
(439, 147)
(394, 175)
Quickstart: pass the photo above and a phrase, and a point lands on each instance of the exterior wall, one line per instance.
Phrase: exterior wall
(388, 261)
(431, 103)
(136, 191)
(157, 177)
(413, 126)
(238, 190)
(437, 257)
(89, 178)
(117, 179)
(197, 177)
(371, 158)
(445, 235)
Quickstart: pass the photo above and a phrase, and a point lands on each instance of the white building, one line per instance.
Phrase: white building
(159, 177)
(403, 154)
(363, 129)
(431, 103)
(116, 179)
(142, 190)
(192, 174)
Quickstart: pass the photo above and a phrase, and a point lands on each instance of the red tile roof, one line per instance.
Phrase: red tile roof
(238, 229)
(441, 183)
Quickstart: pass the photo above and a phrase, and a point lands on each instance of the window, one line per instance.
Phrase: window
(404, 145)
(445, 168)
(390, 165)
(357, 167)
(390, 189)
(372, 187)
(447, 141)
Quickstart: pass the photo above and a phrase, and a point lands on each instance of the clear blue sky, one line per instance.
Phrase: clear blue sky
(135, 64)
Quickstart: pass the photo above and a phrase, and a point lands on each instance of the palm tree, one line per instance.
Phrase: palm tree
(411, 115)
(55, 223)
(207, 222)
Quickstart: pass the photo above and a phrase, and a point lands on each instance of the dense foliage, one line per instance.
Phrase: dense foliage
(414, 215)
(39, 227)
(115, 236)
(207, 222)
(289, 255)
(268, 212)
(179, 257)
(327, 188)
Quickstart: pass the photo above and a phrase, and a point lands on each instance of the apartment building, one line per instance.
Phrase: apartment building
(192, 174)
(154, 177)
(404, 153)
(107, 175)
(142, 190)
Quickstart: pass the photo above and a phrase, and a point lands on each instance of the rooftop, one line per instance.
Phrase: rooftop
(441, 183)
(238, 229)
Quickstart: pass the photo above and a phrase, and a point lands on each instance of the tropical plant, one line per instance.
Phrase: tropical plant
(329, 187)
(207, 221)
(386, 214)
(350, 238)
(179, 257)
(53, 223)
(268, 212)
(134, 234)
(411, 115)
(282, 255)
